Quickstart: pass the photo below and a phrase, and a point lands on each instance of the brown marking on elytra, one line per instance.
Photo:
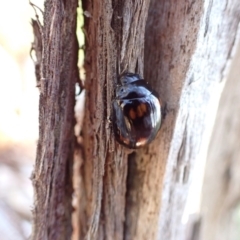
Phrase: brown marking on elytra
(141, 109)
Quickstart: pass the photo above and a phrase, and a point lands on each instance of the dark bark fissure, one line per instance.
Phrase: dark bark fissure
(134, 185)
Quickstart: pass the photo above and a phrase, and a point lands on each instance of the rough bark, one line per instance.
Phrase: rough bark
(221, 191)
(188, 45)
(114, 43)
(52, 176)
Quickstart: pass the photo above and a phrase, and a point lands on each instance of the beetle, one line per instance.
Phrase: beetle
(136, 114)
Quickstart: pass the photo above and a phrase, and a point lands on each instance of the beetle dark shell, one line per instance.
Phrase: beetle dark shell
(136, 112)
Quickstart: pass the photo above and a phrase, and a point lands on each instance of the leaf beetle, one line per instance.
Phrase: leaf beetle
(136, 114)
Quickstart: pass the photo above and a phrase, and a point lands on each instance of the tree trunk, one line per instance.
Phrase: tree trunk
(127, 194)
(186, 55)
(114, 43)
(52, 176)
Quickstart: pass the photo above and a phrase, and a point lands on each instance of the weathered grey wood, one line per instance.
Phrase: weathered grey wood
(215, 39)
(221, 188)
(52, 176)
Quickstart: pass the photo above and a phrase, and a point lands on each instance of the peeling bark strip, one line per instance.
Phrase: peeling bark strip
(52, 176)
(37, 48)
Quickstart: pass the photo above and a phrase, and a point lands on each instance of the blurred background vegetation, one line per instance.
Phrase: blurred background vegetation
(19, 116)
